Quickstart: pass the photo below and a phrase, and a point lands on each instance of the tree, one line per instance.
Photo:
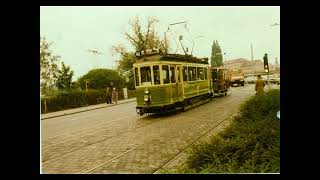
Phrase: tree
(141, 39)
(216, 55)
(125, 63)
(144, 39)
(48, 66)
(64, 77)
(101, 78)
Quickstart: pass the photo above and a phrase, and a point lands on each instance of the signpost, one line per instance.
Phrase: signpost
(125, 90)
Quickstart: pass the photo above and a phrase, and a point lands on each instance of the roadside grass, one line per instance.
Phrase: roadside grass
(251, 144)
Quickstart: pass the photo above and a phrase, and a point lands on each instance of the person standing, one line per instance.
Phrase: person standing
(259, 86)
(114, 96)
(108, 93)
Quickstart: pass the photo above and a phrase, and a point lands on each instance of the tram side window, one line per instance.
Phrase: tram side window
(165, 74)
(192, 73)
(156, 75)
(173, 76)
(185, 73)
(200, 73)
(205, 73)
(145, 76)
(136, 76)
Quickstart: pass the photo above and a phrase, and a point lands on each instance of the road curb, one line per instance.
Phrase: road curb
(87, 110)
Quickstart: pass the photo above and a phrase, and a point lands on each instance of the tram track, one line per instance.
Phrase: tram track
(110, 157)
(209, 132)
(95, 142)
(74, 136)
(72, 132)
(152, 139)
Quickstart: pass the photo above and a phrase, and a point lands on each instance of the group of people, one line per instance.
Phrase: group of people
(112, 96)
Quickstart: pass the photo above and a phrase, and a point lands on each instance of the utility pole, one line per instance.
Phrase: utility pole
(251, 53)
(165, 42)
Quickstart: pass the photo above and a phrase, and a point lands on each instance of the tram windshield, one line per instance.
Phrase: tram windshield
(145, 76)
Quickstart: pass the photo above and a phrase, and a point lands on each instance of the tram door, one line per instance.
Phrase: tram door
(174, 83)
(179, 82)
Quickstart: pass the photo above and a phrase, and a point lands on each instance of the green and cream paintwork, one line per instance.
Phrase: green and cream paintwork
(171, 93)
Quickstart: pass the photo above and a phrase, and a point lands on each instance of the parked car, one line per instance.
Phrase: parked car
(250, 79)
(273, 78)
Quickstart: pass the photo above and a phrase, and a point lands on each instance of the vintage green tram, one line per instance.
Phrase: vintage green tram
(168, 81)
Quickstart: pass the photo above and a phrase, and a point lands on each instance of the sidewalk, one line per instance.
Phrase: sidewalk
(82, 109)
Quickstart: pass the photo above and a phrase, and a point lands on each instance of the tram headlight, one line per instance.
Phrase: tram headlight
(146, 98)
(147, 95)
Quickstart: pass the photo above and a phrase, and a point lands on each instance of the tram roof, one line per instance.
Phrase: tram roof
(220, 68)
(173, 57)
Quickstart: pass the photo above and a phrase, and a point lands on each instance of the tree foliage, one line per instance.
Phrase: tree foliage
(101, 78)
(48, 66)
(126, 60)
(141, 37)
(216, 55)
(64, 77)
(144, 38)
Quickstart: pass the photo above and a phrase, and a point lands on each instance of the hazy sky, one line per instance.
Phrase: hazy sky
(73, 30)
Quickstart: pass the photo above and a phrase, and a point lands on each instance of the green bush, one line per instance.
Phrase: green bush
(72, 99)
(62, 100)
(251, 144)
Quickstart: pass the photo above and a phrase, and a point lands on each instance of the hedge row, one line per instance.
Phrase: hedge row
(63, 100)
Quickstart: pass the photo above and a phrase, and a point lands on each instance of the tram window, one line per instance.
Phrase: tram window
(145, 75)
(172, 75)
(178, 74)
(192, 73)
(185, 73)
(200, 73)
(136, 76)
(205, 73)
(156, 75)
(165, 74)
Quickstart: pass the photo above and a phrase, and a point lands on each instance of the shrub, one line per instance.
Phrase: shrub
(251, 144)
(61, 100)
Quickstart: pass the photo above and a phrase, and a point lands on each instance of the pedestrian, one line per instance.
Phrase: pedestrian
(114, 96)
(259, 86)
(108, 94)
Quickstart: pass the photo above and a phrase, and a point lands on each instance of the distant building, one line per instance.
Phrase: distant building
(251, 67)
